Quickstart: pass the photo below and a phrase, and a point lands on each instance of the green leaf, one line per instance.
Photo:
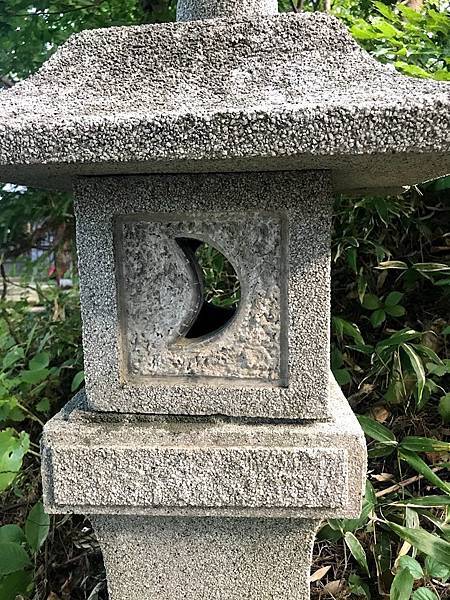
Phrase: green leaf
(387, 29)
(410, 69)
(398, 338)
(40, 361)
(13, 448)
(393, 264)
(343, 327)
(35, 376)
(428, 543)
(425, 501)
(358, 587)
(436, 569)
(444, 408)
(412, 565)
(395, 311)
(384, 10)
(440, 369)
(10, 409)
(424, 594)
(402, 585)
(77, 381)
(424, 444)
(43, 405)
(421, 467)
(430, 267)
(393, 298)
(13, 356)
(342, 376)
(11, 533)
(417, 367)
(363, 32)
(376, 430)
(377, 317)
(357, 551)
(371, 302)
(15, 584)
(37, 526)
(12, 558)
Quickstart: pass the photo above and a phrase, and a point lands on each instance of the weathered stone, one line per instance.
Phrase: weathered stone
(206, 558)
(272, 359)
(158, 298)
(290, 91)
(190, 10)
(100, 463)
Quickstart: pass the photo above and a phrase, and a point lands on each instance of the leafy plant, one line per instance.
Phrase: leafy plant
(18, 549)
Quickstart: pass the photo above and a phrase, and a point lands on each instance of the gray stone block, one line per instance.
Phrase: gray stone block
(290, 91)
(123, 464)
(152, 558)
(137, 294)
(190, 10)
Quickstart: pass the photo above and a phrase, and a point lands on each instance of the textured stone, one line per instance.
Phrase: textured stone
(272, 359)
(206, 558)
(190, 10)
(290, 91)
(101, 463)
(159, 295)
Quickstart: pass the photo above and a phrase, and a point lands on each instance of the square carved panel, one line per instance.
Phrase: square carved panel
(161, 297)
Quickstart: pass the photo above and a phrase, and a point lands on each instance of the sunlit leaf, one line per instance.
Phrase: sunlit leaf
(424, 541)
(357, 550)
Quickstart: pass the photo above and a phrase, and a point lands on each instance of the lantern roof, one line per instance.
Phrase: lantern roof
(266, 92)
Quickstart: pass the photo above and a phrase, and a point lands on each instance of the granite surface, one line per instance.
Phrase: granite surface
(206, 558)
(161, 295)
(290, 91)
(272, 360)
(130, 464)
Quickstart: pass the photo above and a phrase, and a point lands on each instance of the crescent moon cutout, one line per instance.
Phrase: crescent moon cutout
(205, 317)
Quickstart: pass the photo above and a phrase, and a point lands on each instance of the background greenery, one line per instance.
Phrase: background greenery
(389, 352)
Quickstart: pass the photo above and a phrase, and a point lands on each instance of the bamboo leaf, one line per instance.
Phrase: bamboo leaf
(425, 501)
(426, 542)
(421, 467)
(357, 551)
(423, 444)
(376, 430)
(418, 369)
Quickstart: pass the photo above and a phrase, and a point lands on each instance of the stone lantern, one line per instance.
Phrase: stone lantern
(207, 461)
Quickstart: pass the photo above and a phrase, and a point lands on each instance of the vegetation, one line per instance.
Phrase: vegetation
(390, 345)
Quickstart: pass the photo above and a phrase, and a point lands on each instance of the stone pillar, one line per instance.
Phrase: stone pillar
(205, 463)
(206, 557)
(190, 10)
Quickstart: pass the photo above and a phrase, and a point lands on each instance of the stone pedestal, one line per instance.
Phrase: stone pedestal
(199, 508)
(206, 558)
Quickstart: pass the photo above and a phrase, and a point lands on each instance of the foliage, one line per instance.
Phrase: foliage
(416, 42)
(390, 336)
(220, 280)
(41, 362)
(30, 30)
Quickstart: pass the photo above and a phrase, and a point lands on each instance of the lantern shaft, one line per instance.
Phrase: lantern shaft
(192, 10)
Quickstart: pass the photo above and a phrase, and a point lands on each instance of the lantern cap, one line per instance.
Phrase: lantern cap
(283, 92)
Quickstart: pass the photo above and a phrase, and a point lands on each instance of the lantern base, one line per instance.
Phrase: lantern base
(176, 558)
